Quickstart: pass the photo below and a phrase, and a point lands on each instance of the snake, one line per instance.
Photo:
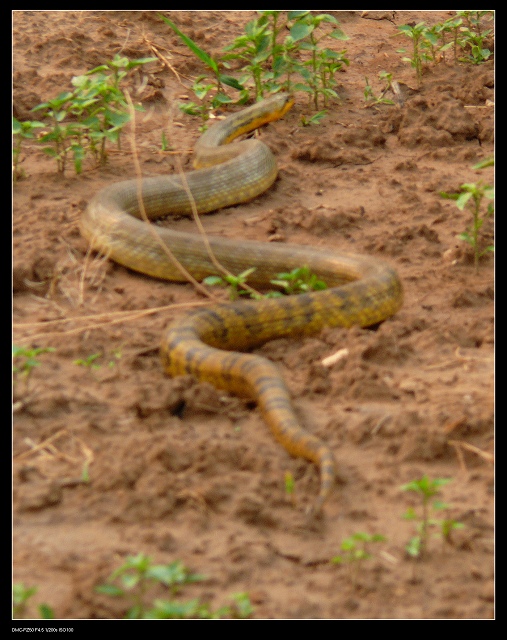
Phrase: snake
(213, 344)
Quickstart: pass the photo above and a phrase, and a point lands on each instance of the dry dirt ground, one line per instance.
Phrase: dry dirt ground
(178, 470)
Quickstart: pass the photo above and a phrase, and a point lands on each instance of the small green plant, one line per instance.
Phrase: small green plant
(472, 195)
(472, 36)
(20, 597)
(100, 103)
(319, 70)
(299, 280)
(473, 19)
(451, 26)
(89, 362)
(21, 131)
(315, 119)
(234, 283)
(93, 113)
(206, 105)
(242, 607)
(427, 489)
(116, 356)
(212, 64)
(434, 42)
(268, 65)
(371, 98)
(138, 575)
(430, 43)
(356, 550)
(64, 136)
(290, 487)
(254, 48)
(475, 52)
(417, 34)
(24, 360)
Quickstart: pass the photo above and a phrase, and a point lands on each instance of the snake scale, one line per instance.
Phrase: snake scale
(209, 343)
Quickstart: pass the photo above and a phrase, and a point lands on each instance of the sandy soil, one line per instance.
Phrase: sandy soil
(178, 470)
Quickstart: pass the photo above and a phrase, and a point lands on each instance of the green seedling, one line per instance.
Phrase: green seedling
(472, 195)
(434, 42)
(452, 26)
(430, 43)
(20, 597)
(100, 103)
(93, 113)
(207, 105)
(234, 283)
(299, 280)
(242, 607)
(427, 489)
(356, 550)
(116, 357)
(89, 362)
(65, 136)
(24, 360)
(473, 19)
(483, 164)
(138, 574)
(472, 43)
(279, 53)
(268, 65)
(21, 131)
(319, 71)
(290, 487)
(134, 579)
(209, 61)
(118, 68)
(254, 48)
(315, 119)
(447, 526)
(371, 98)
(164, 144)
(417, 34)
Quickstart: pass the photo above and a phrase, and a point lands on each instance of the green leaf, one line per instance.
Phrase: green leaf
(487, 162)
(16, 126)
(230, 82)
(294, 15)
(134, 613)
(326, 17)
(220, 99)
(413, 547)
(202, 55)
(139, 61)
(170, 609)
(338, 34)
(300, 30)
(462, 199)
(46, 612)
(243, 604)
(110, 590)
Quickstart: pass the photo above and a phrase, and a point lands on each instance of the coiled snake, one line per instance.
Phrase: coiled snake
(207, 343)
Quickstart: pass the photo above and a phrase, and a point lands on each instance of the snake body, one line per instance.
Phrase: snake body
(208, 343)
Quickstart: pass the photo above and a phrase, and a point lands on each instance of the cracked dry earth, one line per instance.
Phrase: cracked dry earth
(178, 470)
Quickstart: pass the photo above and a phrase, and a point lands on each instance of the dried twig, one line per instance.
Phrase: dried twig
(461, 444)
